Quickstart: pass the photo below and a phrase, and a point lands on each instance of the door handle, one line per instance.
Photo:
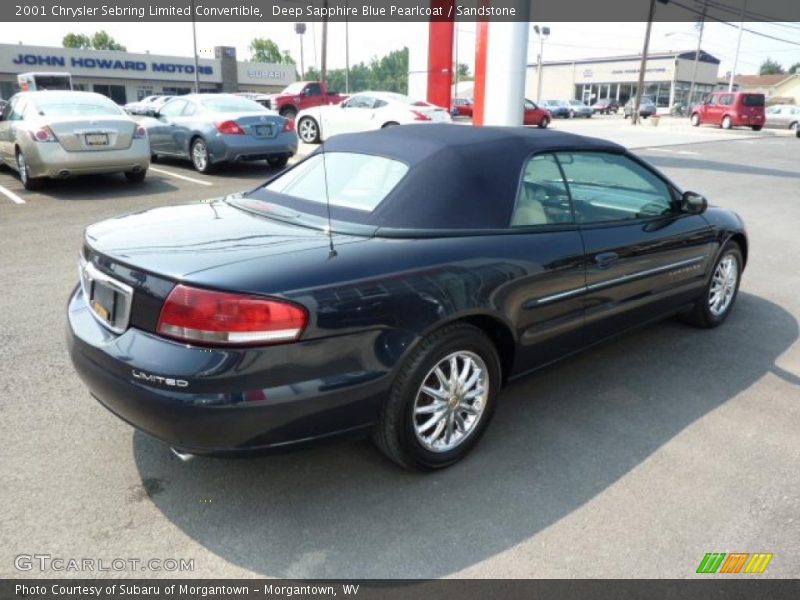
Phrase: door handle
(606, 259)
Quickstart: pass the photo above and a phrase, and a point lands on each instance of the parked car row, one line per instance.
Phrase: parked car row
(147, 105)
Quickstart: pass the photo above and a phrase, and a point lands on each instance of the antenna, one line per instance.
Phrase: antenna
(327, 201)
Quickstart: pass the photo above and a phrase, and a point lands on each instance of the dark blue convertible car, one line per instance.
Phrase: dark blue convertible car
(388, 285)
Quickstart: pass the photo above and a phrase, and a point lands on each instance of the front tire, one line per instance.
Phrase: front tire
(719, 295)
(28, 182)
(695, 120)
(308, 130)
(544, 123)
(442, 399)
(288, 113)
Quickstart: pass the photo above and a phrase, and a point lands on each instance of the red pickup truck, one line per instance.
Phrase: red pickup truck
(301, 95)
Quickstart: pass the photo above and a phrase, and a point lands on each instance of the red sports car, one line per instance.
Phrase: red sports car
(535, 115)
(461, 107)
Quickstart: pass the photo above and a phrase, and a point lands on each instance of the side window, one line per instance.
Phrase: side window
(189, 110)
(6, 114)
(379, 103)
(612, 187)
(313, 89)
(726, 100)
(360, 101)
(542, 198)
(173, 108)
(711, 100)
(17, 110)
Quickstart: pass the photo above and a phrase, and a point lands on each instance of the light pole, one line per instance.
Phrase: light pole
(697, 55)
(300, 29)
(643, 66)
(543, 33)
(738, 45)
(194, 43)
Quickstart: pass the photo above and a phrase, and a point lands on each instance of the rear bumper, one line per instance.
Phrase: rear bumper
(227, 401)
(231, 148)
(51, 160)
(748, 121)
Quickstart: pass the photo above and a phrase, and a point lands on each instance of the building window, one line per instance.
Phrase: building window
(115, 92)
(144, 91)
(176, 91)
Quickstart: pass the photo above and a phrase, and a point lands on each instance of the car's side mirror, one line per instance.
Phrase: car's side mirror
(693, 203)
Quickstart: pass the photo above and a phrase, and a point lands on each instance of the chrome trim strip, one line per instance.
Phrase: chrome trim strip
(654, 271)
(88, 275)
(610, 282)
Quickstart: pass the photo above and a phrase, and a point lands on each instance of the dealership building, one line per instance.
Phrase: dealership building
(126, 77)
(667, 78)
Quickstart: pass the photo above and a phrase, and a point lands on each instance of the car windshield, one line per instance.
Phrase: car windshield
(753, 99)
(576, 103)
(76, 105)
(225, 103)
(349, 180)
(556, 103)
(294, 88)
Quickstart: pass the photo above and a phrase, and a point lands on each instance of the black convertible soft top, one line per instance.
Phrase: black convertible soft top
(459, 177)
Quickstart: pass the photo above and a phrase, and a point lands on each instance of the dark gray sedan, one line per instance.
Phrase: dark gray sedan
(210, 129)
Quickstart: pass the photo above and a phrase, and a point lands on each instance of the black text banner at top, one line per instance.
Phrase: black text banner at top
(289, 11)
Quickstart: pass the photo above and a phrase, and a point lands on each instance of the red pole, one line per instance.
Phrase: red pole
(479, 91)
(441, 34)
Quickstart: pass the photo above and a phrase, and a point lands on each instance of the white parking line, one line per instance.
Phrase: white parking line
(674, 151)
(178, 176)
(11, 195)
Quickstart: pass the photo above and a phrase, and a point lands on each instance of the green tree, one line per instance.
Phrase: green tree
(388, 74)
(795, 68)
(100, 40)
(265, 50)
(76, 40)
(770, 67)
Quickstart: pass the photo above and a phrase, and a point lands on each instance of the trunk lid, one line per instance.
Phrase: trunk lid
(179, 241)
(93, 134)
(258, 125)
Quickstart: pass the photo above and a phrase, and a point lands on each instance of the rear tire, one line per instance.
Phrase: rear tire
(389, 124)
(199, 156)
(278, 161)
(544, 123)
(464, 409)
(29, 183)
(308, 130)
(756, 127)
(703, 313)
(136, 176)
(726, 122)
(695, 120)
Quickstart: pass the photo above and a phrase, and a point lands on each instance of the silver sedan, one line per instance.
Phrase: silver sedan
(784, 116)
(58, 134)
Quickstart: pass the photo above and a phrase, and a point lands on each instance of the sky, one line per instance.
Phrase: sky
(567, 41)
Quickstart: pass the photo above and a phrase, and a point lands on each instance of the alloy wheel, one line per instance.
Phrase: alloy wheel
(199, 155)
(451, 401)
(308, 130)
(723, 285)
(22, 166)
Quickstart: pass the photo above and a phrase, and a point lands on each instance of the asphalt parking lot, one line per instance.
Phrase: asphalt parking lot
(633, 459)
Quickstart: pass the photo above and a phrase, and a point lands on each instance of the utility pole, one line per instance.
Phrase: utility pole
(300, 29)
(346, 50)
(643, 66)
(194, 44)
(323, 71)
(697, 55)
(542, 33)
(738, 45)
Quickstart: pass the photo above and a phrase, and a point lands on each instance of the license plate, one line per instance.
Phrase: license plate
(97, 139)
(263, 130)
(103, 301)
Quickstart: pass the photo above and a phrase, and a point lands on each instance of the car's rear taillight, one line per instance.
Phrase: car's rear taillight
(288, 125)
(43, 134)
(229, 127)
(206, 316)
(420, 116)
(139, 133)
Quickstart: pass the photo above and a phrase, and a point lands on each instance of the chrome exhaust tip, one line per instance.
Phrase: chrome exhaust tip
(184, 456)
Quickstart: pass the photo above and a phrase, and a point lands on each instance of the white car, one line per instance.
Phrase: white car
(365, 111)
